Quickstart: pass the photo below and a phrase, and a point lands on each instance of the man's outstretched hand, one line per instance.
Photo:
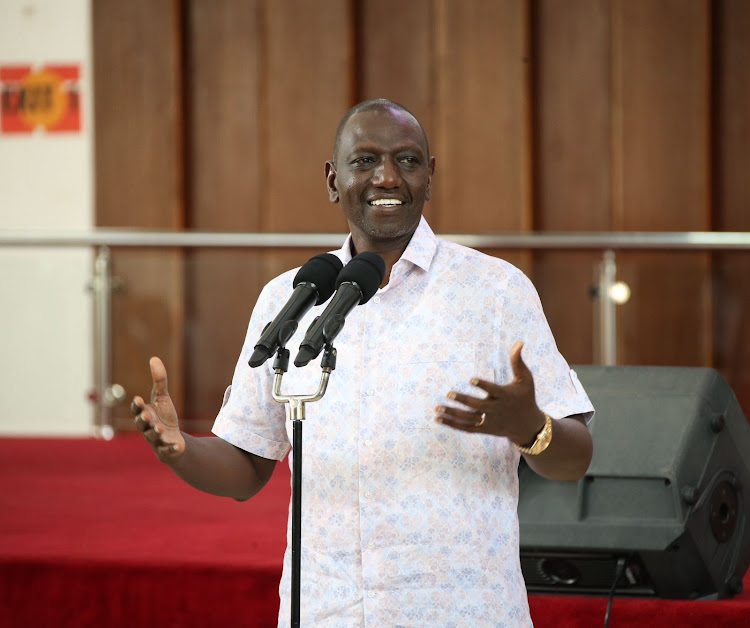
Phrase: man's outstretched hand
(508, 410)
(158, 420)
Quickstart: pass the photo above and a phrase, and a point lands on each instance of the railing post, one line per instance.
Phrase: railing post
(102, 289)
(105, 394)
(607, 315)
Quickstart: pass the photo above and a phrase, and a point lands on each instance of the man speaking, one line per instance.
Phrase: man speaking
(444, 379)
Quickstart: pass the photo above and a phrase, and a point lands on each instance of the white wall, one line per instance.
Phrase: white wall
(46, 182)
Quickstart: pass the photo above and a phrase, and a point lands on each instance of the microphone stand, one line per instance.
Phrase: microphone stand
(297, 407)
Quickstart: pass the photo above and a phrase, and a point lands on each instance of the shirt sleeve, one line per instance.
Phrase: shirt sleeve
(558, 391)
(249, 417)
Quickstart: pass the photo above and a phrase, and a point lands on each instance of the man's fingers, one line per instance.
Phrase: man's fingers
(167, 450)
(153, 435)
(159, 376)
(491, 388)
(143, 421)
(446, 414)
(136, 406)
(467, 400)
(465, 421)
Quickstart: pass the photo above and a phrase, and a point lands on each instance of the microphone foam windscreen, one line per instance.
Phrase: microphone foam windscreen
(321, 270)
(367, 270)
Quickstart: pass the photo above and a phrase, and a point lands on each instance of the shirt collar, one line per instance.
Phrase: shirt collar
(420, 251)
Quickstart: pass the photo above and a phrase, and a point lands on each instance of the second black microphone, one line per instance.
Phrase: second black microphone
(356, 284)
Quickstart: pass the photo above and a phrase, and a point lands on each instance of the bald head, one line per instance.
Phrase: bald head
(377, 104)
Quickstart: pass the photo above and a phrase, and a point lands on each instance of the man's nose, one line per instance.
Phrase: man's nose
(387, 174)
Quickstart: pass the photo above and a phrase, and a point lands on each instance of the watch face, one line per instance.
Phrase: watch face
(543, 439)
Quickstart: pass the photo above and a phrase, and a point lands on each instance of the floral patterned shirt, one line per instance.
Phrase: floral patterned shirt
(406, 522)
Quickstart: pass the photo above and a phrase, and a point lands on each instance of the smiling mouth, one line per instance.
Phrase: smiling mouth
(385, 202)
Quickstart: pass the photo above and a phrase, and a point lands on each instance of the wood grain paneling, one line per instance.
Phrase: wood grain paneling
(572, 158)
(138, 114)
(661, 85)
(732, 191)
(661, 172)
(482, 143)
(731, 132)
(308, 72)
(139, 178)
(224, 60)
(665, 322)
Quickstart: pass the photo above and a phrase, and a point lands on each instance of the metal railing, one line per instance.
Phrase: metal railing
(608, 291)
(663, 241)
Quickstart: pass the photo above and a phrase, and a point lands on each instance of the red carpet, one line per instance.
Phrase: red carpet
(100, 534)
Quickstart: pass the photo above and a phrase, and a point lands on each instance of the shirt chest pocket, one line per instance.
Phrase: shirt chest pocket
(427, 372)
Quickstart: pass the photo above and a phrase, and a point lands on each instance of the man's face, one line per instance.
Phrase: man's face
(381, 175)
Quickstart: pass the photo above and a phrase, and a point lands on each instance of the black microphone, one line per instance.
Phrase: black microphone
(313, 284)
(356, 284)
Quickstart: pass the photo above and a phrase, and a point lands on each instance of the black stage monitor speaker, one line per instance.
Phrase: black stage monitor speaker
(664, 508)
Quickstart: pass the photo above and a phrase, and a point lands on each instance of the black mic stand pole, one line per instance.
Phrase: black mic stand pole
(297, 408)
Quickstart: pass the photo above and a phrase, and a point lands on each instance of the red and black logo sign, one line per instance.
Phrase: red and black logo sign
(48, 97)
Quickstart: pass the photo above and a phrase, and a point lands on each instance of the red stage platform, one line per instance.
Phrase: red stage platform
(96, 533)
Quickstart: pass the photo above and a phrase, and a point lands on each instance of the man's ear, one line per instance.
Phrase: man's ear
(431, 170)
(333, 193)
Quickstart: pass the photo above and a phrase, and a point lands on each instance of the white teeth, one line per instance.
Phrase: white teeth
(386, 202)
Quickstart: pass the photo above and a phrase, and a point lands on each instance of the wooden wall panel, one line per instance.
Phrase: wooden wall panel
(482, 144)
(307, 89)
(223, 65)
(661, 98)
(138, 114)
(138, 170)
(572, 158)
(732, 191)
(661, 172)
(572, 129)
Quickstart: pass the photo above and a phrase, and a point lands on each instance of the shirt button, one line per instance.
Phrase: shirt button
(371, 594)
(376, 299)
(368, 442)
(370, 545)
(370, 392)
(368, 494)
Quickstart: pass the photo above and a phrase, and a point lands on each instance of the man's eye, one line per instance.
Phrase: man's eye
(362, 160)
(409, 160)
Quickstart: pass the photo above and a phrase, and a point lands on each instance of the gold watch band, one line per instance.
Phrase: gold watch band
(542, 441)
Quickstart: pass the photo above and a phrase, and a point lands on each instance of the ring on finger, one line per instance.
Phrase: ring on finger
(482, 419)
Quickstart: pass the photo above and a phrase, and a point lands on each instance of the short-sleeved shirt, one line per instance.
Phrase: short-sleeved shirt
(406, 522)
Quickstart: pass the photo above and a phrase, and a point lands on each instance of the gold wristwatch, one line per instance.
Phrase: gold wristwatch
(542, 441)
